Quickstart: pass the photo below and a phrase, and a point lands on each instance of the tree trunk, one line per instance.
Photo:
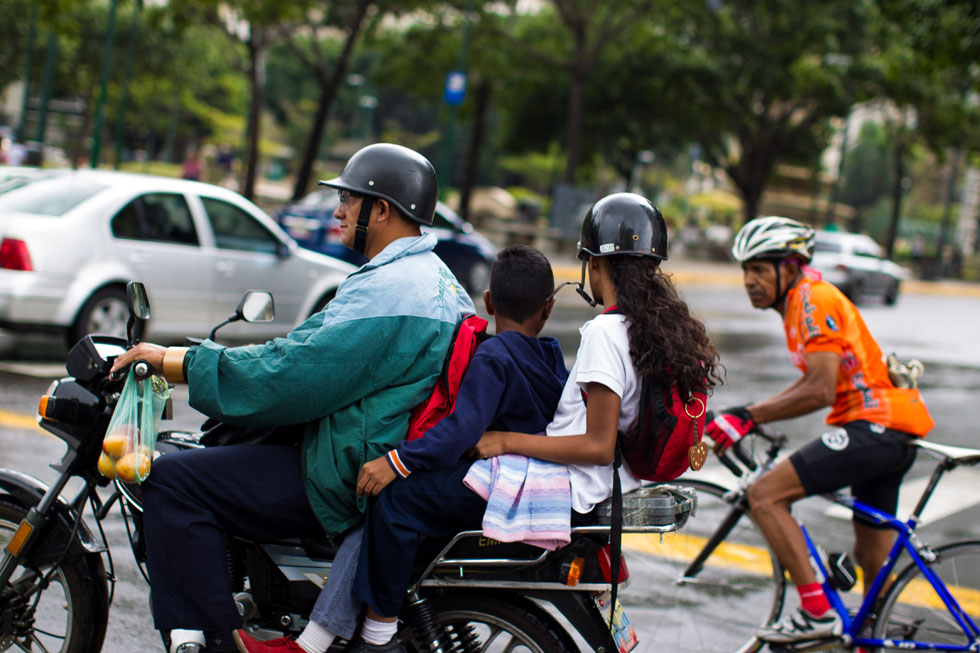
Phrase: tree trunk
(897, 191)
(328, 93)
(256, 80)
(481, 100)
(312, 148)
(576, 101)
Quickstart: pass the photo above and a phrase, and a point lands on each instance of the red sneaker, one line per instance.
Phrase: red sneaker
(248, 644)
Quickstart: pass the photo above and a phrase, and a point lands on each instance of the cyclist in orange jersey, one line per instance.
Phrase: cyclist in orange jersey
(843, 368)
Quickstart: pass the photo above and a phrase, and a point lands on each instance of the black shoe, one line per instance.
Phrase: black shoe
(394, 646)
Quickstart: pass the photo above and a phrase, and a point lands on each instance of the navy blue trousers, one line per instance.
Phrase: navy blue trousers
(426, 504)
(192, 501)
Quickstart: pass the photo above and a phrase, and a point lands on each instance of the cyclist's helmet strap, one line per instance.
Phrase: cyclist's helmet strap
(361, 228)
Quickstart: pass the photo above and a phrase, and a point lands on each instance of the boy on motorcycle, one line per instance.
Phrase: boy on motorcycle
(513, 381)
(376, 350)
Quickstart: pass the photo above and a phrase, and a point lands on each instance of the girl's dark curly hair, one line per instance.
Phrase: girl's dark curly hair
(666, 341)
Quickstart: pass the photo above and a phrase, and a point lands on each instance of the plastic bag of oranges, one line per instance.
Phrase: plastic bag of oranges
(127, 449)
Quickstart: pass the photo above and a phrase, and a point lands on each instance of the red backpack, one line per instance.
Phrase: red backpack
(666, 440)
(471, 331)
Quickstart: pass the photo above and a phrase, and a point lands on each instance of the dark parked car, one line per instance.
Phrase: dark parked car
(855, 264)
(468, 254)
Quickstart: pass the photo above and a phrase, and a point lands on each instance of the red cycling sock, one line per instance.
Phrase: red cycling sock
(812, 599)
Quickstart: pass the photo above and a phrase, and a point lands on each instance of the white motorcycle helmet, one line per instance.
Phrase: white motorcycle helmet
(773, 238)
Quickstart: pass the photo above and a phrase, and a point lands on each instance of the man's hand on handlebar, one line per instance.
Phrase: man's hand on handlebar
(145, 351)
(729, 426)
(375, 476)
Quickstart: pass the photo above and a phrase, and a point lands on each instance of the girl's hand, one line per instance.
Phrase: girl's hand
(152, 354)
(493, 443)
(375, 476)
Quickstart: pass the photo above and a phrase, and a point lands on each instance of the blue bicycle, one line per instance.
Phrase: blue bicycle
(932, 604)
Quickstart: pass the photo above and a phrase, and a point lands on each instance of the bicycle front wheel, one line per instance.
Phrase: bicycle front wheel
(913, 610)
(740, 579)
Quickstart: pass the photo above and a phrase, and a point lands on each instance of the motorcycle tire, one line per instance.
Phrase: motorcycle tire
(489, 622)
(72, 611)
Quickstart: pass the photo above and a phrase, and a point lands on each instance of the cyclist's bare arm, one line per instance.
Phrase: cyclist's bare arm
(814, 390)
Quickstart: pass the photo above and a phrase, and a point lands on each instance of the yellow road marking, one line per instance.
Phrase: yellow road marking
(20, 421)
(681, 547)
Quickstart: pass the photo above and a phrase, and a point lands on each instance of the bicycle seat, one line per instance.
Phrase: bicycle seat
(957, 455)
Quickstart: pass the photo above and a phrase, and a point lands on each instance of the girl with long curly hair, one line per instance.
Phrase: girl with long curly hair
(646, 331)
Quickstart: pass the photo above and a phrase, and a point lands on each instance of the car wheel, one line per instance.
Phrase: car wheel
(106, 312)
(322, 303)
(478, 278)
(891, 295)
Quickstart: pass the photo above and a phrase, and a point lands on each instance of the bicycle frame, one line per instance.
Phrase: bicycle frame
(919, 553)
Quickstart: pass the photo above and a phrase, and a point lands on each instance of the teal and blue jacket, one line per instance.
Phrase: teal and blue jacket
(354, 371)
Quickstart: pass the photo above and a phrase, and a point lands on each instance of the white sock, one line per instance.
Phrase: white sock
(315, 638)
(378, 632)
(179, 636)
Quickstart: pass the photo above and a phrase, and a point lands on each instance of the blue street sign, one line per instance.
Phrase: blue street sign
(455, 88)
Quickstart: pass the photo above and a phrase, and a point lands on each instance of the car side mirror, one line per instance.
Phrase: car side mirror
(257, 306)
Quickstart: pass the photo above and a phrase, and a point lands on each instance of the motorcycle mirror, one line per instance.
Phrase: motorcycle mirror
(139, 302)
(257, 306)
(139, 311)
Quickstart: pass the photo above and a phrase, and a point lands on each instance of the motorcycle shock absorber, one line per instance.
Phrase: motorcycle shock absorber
(236, 564)
(424, 624)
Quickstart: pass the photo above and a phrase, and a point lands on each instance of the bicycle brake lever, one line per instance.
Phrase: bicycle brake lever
(730, 464)
(746, 460)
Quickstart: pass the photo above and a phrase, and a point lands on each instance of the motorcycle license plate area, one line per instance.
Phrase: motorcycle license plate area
(622, 629)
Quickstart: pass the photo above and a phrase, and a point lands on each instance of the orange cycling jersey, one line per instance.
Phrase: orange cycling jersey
(819, 318)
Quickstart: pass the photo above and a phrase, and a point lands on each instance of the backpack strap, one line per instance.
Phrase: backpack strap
(615, 531)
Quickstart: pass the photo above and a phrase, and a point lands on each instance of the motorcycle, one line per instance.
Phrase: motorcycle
(470, 593)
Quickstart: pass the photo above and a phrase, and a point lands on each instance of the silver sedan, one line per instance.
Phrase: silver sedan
(70, 242)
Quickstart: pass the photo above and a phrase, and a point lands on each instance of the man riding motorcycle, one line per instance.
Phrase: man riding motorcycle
(350, 373)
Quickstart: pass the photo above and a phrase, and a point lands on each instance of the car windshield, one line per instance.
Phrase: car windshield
(53, 197)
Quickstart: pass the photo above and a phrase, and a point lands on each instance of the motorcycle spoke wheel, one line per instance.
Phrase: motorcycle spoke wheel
(59, 609)
(487, 624)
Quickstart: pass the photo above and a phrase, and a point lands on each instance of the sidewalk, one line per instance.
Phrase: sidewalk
(690, 271)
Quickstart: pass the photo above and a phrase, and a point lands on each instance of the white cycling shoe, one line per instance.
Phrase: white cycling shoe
(798, 626)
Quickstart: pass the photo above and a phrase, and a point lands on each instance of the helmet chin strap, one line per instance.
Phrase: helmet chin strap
(361, 229)
(781, 295)
(580, 288)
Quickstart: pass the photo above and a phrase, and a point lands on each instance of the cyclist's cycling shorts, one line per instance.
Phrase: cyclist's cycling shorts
(867, 457)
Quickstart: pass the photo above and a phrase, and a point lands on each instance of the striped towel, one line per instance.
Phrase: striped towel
(528, 500)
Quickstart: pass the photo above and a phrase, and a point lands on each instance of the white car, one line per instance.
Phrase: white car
(856, 265)
(69, 243)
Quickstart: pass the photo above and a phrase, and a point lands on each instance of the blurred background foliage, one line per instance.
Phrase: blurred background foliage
(697, 103)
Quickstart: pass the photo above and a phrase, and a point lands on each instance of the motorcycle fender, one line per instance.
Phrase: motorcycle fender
(581, 612)
(27, 491)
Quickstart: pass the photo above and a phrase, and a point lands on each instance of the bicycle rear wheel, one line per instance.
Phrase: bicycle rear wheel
(912, 610)
(741, 579)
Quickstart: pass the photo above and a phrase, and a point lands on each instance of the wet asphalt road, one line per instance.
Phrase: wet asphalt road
(939, 330)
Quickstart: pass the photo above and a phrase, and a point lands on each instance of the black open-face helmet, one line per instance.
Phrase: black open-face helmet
(395, 173)
(623, 223)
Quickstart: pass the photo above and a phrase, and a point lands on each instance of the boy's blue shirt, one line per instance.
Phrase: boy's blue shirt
(513, 383)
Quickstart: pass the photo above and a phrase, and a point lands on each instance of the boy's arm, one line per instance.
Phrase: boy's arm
(476, 406)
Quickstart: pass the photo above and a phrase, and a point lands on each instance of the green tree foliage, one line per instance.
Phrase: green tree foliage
(773, 72)
(867, 172)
